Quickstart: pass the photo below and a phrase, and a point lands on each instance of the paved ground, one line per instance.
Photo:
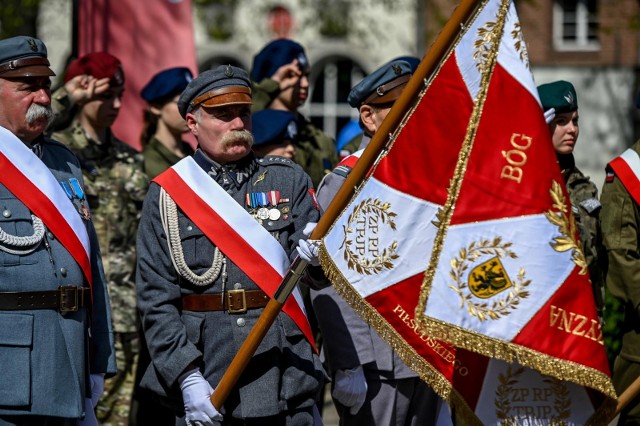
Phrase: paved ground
(329, 414)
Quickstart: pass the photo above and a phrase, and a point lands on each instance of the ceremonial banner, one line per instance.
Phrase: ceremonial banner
(467, 211)
(147, 36)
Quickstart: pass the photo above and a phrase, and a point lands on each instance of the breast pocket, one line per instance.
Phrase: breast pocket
(197, 249)
(15, 222)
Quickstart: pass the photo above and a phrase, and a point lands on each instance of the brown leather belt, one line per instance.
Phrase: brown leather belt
(232, 301)
(64, 299)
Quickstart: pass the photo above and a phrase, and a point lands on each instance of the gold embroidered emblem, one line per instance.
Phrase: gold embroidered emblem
(550, 403)
(361, 243)
(488, 37)
(260, 178)
(563, 219)
(520, 45)
(487, 279)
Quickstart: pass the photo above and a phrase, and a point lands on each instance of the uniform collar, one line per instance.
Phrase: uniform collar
(236, 173)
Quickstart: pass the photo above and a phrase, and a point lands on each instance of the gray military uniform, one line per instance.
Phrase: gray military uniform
(44, 354)
(285, 374)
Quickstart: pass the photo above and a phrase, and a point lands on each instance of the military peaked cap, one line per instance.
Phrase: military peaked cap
(560, 95)
(23, 56)
(382, 86)
(224, 85)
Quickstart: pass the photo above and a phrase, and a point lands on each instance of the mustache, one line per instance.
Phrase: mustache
(37, 112)
(237, 136)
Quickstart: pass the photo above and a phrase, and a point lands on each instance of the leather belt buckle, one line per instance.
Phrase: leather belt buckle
(68, 296)
(231, 306)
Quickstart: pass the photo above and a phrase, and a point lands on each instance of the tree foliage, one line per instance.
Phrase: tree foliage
(18, 17)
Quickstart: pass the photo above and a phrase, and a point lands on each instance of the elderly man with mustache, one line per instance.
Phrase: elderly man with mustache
(54, 305)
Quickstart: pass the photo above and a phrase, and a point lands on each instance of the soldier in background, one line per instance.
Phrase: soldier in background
(162, 144)
(620, 218)
(560, 104)
(54, 351)
(115, 188)
(370, 383)
(280, 75)
(274, 133)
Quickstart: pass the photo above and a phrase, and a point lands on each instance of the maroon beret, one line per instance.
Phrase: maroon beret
(99, 65)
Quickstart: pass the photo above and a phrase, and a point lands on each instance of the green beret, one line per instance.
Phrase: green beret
(560, 95)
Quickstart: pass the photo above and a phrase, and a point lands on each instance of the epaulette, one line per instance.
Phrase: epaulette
(272, 160)
(342, 170)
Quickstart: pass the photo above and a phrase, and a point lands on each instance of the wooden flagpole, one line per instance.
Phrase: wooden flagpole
(434, 56)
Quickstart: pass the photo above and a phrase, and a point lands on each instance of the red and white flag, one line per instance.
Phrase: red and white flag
(463, 233)
(147, 36)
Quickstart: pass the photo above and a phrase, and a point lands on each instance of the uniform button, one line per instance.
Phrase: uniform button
(189, 227)
(241, 322)
(269, 223)
(6, 213)
(50, 235)
(237, 286)
(63, 271)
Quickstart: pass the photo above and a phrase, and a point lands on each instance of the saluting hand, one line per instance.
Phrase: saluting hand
(287, 75)
(85, 88)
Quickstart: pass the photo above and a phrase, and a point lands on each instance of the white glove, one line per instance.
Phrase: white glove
(549, 115)
(97, 387)
(196, 392)
(309, 249)
(89, 415)
(350, 388)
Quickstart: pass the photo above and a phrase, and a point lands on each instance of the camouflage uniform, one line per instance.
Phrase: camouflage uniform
(620, 228)
(586, 209)
(115, 188)
(315, 150)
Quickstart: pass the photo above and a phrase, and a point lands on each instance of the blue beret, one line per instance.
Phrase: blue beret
(271, 126)
(382, 86)
(166, 84)
(23, 56)
(560, 95)
(224, 85)
(276, 54)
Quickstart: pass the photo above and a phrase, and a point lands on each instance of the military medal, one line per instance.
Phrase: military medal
(263, 213)
(79, 194)
(274, 214)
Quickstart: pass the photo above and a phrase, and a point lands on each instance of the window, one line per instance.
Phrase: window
(575, 25)
(331, 82)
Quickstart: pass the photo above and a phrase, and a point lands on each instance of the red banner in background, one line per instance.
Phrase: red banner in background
(147, 36)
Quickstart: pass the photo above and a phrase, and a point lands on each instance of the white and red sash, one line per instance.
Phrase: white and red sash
(232, 229)
(627, 168)
(29, 179)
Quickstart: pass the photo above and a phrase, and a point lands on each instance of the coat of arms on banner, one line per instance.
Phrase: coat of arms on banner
(363, 249)
(487, 279)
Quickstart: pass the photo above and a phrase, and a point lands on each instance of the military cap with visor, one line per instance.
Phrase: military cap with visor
(560, 95)
(23, 56)
(382, 86)
(224, 85)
